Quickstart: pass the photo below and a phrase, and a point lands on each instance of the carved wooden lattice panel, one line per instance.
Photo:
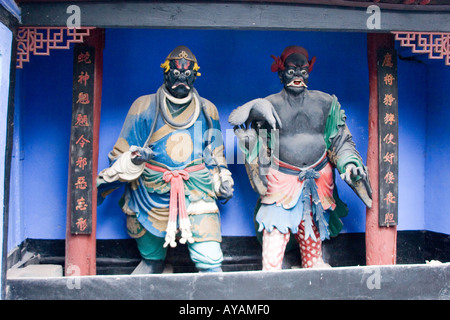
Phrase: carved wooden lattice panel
(435, 44)
(40, 40)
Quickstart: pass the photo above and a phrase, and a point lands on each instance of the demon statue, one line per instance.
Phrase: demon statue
(170, 156)
(292, 141)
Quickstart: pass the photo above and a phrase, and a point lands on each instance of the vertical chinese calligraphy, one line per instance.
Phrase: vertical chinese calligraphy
(80, 186)
(388, 136)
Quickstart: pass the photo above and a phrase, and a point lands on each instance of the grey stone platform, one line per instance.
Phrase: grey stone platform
(398, 282)
(35, 271)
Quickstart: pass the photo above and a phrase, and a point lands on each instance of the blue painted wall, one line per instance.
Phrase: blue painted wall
(412, 114)
(40, 151)
(437, 176)
(235, 67)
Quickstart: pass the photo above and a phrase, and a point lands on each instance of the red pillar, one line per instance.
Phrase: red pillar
(80, 257)
(381, 242)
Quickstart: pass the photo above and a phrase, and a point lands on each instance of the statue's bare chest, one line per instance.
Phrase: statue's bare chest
(308, 117)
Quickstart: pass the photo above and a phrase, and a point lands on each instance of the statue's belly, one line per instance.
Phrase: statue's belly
(302, 149)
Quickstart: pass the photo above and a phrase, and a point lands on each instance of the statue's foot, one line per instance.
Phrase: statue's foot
(320, 264)
(149, 267)
(217, 269)
(315, 263)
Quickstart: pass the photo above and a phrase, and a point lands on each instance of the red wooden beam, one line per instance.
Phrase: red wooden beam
(381, 242)
(81, 248)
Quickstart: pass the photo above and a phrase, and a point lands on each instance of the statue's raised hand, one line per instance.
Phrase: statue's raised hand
(139, 155)
(259, 110)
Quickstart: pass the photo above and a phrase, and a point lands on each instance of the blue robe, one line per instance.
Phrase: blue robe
(146, 200)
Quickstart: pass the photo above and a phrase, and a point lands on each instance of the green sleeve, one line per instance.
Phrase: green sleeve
(336, 118)
(338, 139)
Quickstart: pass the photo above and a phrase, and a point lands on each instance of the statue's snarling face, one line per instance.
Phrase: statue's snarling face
(295, 74)
(179, 80)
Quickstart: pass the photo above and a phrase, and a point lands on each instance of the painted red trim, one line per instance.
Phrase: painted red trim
(81, 249)
(381, 242)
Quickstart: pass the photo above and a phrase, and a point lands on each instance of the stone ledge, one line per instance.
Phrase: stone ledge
(398, 282)
(36, 271)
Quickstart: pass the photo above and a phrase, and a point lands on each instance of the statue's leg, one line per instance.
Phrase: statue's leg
(153, 254)
(207, 256)
(206, 252)
(310, 250)
(274, 246)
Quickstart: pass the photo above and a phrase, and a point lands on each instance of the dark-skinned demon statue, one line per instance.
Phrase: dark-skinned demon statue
(292, 141)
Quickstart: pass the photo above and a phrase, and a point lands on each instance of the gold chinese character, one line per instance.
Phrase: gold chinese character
(81, 183)
(389, 138)
(82, 120)
(82, 141)
(83, 78)
(388, 79)
(390, 198)
(84, 57)
(389, 178)
(82, 224)
(81, 162)
(83, 98)
(389, 118)
(388, 99)
(389, 157)
(387, 61)
(81, 204)
(389, 218)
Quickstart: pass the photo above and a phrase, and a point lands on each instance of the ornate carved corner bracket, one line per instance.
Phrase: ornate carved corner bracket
(40, 40)
(435, 44)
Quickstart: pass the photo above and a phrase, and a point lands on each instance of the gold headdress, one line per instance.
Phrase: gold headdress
(180, 52)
